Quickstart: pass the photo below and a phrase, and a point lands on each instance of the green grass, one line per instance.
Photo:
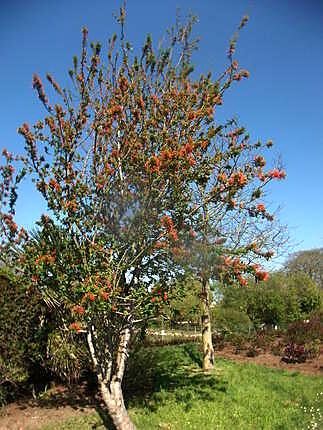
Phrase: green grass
(174, 394)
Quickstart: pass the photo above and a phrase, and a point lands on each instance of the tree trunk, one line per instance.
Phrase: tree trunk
(208, 351)
(113, 398)
(110, 383)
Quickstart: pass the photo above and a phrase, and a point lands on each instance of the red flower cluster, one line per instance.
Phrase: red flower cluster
(88, 296)
(71, 205)
(192, 233)
(160, 245)
(153, 164)
(241, 74)
(7, 154)
(75, 326)
(115, 110)
(159, 296)
(12, 226)
(222, 177)
(79, 309)
(261, 276)
(277, 174)
(104, 295)
(46, 258)
(259, 161)
(168, 223)
(242, 281)
(54, 184)
(186, 149)
(238, 179)
(38, 86)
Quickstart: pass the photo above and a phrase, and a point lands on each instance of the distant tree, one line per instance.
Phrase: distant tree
(184, 303)
(285, 298)
(230, 242)
(307, 293)
(309, 262)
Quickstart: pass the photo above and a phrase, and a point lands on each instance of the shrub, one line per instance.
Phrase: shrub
(229, 320)
(262, 339)
(277, 347)
(302, 332)
(239, 340)
(313, 348)
(285, 298)
(218, 340)
(303, 339)
(294, 353)
(67, 356)
(252, 351)
(22, 336)
(32, 350)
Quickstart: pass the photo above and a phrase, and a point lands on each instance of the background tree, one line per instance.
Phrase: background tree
(184, 303)
(284, 299)
(309, 262)
(235, 232)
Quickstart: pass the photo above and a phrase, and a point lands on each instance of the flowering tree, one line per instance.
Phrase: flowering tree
(131, 164)
(234, 230)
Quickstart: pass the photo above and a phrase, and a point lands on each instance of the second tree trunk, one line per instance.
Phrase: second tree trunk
(208, 351)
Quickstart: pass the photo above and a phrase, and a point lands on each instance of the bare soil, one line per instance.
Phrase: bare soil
(57, 404)
(310, 367)
(60, 403)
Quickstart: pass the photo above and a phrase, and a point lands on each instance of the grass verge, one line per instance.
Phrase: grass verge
(168, 391)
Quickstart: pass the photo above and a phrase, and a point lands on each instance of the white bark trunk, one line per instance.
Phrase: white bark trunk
(113, 399)
(208, 350)
(110, 384)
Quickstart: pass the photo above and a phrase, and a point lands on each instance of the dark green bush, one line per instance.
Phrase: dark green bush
(22, 336)
(230, 320)
(33, 349)
(283, 299)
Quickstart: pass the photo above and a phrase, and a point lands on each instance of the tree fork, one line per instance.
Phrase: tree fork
(110, 384)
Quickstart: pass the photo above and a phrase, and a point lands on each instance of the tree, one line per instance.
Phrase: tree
(286, 298)
(234, 231)
(309, 262)
(120, 161)
(184, 303)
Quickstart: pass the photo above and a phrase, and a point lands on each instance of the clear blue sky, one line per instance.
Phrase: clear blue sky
(283, 99)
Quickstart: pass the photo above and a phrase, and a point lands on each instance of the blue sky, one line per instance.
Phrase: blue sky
(282, 100)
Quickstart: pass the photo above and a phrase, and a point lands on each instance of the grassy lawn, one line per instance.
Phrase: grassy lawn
(173, 394)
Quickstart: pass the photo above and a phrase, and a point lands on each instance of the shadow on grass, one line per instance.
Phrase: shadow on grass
(106, 420)
(155, 375)
(78, 397)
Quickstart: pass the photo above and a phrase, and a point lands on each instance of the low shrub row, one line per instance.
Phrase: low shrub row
(301, 340)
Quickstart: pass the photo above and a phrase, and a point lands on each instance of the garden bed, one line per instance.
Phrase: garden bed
(310, 367)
